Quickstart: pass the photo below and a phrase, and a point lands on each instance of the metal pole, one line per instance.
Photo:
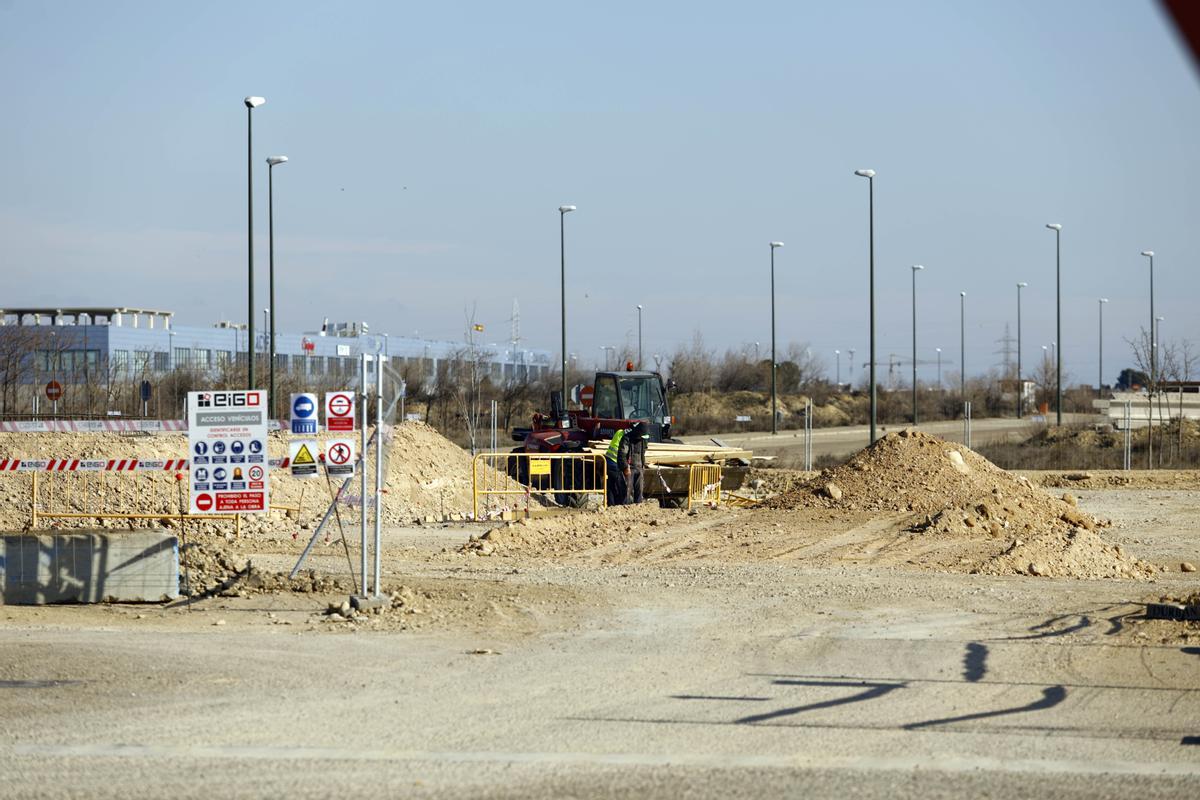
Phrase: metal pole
(962, 344)
(838, 354)
(1020, 404)
(1058, 322)
(871, 212)
(639, 336)
(378, 469)
(362, 492)
(939, 354)
(250, 243)
(774, 411)
(1100, 372)
(562, 246)
(967, 420)
(271, 289)
(914, 345)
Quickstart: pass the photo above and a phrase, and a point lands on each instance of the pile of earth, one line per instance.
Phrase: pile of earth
(566, 534)
(208, 567)
(947, 490)
(1110, 479)
(428, 477)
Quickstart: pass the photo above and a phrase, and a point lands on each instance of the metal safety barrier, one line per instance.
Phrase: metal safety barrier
(501, 481)
(704, 484)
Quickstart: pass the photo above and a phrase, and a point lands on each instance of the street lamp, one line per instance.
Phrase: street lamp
(869, 174)
(838, 355)
(1020, 383)
(774, 413)
(1054, 226)
(851, 351)
(939, 356)
(962, 344)
(1153, 344)
(639, 308)
(915, 269)
(251, 104)
(1100, 381)
(272, 162)
(562, 245)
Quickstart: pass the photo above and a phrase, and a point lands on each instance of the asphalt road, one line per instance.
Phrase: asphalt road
(845, 441)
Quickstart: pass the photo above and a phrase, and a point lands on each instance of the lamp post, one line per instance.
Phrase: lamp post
(639, 308)
(838, 355)
(1020, 383)
(869, 174)
(562, 245)
(1100, 375)
(1153, 344)
(962, 344)
(1054, 226)
(251, 104)
(608, 350)
(272, 162)
(915, 269)
(774, 412)
(851, 351)
(939, 356)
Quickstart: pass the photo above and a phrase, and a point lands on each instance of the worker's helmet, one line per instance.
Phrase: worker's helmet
(638, 430)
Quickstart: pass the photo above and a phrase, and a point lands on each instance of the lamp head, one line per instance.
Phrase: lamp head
(917, 267)
(639, 307)
(565, 209)
(1103, 299)
(1054, 226)
(1148, 253)
(273, 160)
(937, 349)
(1022, 284)
(962, 294)
(776, 244)
(254, 102)
(865, 173)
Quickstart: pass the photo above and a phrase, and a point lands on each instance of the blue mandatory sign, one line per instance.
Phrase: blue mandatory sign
(219, 474)
(304, 414)
(218, 447)
(255, 446)
(201, 448)
(237, 446)
(201, 474)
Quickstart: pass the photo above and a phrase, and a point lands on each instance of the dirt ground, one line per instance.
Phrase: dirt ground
(873, 644)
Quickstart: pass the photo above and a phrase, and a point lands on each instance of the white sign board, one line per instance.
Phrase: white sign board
(302, 453)
(304, 413)
(339, 458)
(227, 443)
(339, 411)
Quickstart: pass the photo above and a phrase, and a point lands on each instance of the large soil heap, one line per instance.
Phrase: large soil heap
(954, 492)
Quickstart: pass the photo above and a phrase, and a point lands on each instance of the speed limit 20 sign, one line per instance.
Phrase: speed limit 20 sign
(339, 411)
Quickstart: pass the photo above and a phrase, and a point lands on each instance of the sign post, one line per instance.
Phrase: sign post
(145, 392)
(304, 413)
(227, 443)
(339, 411)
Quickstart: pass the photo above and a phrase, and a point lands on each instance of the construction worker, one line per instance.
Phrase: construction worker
(617, 486)
(633, 446)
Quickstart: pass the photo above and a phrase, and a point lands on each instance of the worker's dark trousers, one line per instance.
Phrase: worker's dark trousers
(616, 484)
(636, 486)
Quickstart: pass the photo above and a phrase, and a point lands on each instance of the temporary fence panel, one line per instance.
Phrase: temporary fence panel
(704, 484)
(511, 483)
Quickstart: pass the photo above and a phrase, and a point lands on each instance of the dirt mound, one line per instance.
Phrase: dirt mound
(954, 492)
(208, 567)
(566, 534)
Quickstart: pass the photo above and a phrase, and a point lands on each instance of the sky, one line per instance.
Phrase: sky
(431, 144)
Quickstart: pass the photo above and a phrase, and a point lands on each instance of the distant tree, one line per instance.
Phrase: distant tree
(1131, 378)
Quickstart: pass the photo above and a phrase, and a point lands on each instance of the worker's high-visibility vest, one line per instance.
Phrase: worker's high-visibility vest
(615, 445)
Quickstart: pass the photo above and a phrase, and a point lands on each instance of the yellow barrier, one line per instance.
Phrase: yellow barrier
(704, 484)
(563, 479)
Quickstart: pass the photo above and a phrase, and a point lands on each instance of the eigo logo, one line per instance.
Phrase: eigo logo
(228, 399)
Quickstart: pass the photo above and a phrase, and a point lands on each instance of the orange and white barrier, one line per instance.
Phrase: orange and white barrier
(107, 465)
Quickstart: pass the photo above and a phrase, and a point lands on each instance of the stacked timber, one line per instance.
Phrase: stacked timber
(676, 455)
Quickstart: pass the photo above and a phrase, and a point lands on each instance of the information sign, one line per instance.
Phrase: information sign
(227, 445)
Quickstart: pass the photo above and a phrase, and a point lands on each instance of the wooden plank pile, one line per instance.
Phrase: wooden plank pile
(677, 455)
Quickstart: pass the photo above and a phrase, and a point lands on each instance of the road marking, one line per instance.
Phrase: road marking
(940, 763)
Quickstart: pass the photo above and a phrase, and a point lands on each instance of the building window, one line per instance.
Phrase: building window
(120, 363)
(222, 359)
(162, 362)
(281, 362)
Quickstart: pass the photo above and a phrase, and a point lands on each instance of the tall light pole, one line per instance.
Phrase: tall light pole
(939, 355)
(1054, 226)
(562, 247)
(962, 344)
(251, 104)
(851, 351)
(272, 162)
(915, 269)
(1153, 345)
(639, 308)
(1020, 382)
(1100, 381)
(869, 174)
(838, 355)
(774, 412)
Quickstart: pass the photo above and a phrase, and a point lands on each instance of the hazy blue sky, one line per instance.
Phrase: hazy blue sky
(431, 144)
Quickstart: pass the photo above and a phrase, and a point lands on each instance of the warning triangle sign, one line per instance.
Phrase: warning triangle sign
(304, 456)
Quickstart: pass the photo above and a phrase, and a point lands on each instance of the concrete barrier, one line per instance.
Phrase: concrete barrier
(88, 566)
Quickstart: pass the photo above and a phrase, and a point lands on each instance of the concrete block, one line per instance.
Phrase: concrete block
(360, 603)
(88, 566)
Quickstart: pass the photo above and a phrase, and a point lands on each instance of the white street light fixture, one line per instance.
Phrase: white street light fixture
(865, 173)
(254, 102)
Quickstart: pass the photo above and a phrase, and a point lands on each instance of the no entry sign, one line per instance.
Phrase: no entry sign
(54, 391)
(339, 458)
(339, 411)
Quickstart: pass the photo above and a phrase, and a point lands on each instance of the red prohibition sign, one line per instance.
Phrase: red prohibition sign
(339, 405)
(204, 501)
(256, 473)
(339, 454)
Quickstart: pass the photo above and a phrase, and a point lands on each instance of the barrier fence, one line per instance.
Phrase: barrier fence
(704, 485)
(520, 483)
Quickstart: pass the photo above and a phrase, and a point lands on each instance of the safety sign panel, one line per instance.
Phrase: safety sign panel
(339, 411)
(227, 446)
(304, 413)
(303, 455)
(339, 458)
